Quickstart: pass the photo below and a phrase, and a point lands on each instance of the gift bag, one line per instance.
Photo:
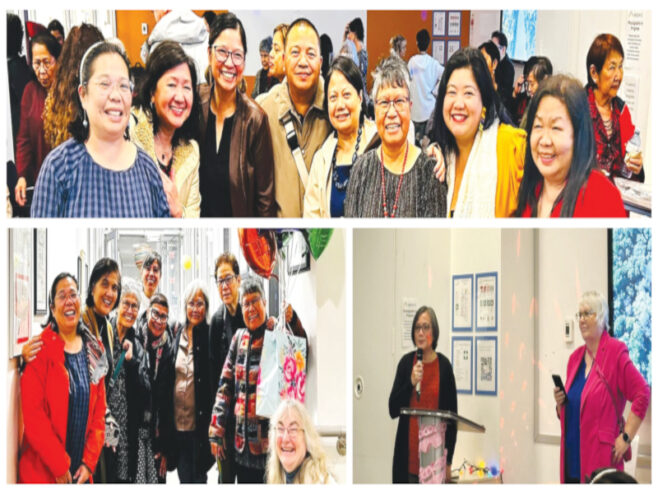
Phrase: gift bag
(282, 371)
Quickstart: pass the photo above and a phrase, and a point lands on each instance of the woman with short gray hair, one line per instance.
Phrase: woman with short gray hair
(394, 179)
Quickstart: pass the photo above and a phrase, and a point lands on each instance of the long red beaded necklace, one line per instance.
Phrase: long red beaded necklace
(397, 192)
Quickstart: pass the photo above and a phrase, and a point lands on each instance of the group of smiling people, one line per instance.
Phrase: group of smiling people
(117, 392)
(306, 147)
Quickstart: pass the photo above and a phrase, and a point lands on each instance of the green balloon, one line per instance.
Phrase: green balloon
(318, 238)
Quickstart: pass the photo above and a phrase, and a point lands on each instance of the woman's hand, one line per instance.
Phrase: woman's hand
(128, 347)
(433, 151)
(170, 189)
(619, 449)
(162, 467)
(82, 474)
(633, 164)
(64, 479)
(560, 398)
(31, 348)
(417, 373)
(218, 451)
(20, 191)
(518, 85)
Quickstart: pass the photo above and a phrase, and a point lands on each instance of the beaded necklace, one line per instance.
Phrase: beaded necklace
(397, 193)
(336, 179)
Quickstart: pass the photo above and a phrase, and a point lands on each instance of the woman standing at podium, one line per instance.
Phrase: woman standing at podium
(433, 373)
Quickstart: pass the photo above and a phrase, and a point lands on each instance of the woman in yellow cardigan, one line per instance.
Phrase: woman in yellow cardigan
(166, 123)
(482, 157)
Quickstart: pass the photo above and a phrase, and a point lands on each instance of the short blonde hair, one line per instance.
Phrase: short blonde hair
(314, 467)
(597, 303)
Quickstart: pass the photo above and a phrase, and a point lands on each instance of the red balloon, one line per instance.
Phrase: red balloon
(259, 249)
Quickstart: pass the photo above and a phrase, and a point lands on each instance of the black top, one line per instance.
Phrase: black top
(222, 328)
(214, 170)
(400, 398)
(505, 81)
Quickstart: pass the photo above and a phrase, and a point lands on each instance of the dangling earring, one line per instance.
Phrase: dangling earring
(85, 124)
(152, 107)
(484, 114)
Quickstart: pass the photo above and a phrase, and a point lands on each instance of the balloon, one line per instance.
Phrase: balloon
(187, 262)
(259, 249)
(318, 238)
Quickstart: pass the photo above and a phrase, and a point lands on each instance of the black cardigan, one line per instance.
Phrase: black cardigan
(400, 397)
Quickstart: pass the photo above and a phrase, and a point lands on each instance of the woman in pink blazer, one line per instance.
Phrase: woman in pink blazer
(600, 379)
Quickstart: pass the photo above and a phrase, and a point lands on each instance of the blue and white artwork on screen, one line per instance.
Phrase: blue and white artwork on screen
(520, 27)
(631, 294)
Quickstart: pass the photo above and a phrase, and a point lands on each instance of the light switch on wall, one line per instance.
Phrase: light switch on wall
(568, 331)
(145, 28)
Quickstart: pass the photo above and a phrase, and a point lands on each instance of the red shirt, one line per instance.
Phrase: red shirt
(31, 145)
(429, 397)
(598, 198)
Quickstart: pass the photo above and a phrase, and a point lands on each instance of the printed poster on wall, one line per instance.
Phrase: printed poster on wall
(486, 307)
(462, 363)
(409, 308)
(462, 302)
(486, 365)
(453, 46)
(439, 23)
(439, 51)
(454, 23)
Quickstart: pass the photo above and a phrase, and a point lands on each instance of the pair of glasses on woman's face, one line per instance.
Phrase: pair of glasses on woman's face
(584, 314)
(222, 54)
(400, 104)
(292, 431)
(425, 328)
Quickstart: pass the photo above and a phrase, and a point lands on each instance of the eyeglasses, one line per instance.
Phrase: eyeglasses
(63, 297)
(159, 316)
(199, 304)
(129, 305)
(400, 104)
(425, 328)
(292, 431)
(222, 54)
(586, 313)
(106, 86)
(251, 303)
(46, 63)
(227, 280)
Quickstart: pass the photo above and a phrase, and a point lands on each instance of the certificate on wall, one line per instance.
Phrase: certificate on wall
(462, 363)
(454, 23)
(409, 308)
(486, 297)
(462, 302)
(21, 287)
(486, 365)
(453, 46)
(439, 23)
(439, 51)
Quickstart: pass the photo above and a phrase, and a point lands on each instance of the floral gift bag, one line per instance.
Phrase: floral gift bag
(282, 370)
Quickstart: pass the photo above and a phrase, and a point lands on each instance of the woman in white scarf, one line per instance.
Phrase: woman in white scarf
(483, 158)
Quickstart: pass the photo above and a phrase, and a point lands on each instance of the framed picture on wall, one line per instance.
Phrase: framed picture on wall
(486, 301)
(462, 302)
(486, 365)
(40, 270)
(462, 363)
(439, 51)
(21, 287)
(439, 23)
(453, 46)
(454, 23)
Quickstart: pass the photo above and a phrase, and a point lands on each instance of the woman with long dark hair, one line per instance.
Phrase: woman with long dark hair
(561, 176)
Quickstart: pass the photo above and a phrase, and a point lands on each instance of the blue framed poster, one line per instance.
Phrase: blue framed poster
(462, 302)
(486, 301)
(486, 365)
(462, 363)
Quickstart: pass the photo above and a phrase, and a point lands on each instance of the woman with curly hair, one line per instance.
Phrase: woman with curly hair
(295, 454)
(60, 108)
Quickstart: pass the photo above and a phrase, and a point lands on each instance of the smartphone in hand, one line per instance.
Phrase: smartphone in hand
(557, 380)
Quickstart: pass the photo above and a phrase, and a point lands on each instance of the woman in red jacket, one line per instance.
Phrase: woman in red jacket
(63, 396)
(561, 176)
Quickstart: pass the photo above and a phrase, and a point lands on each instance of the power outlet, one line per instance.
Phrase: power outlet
(145, 28)
(568, 331)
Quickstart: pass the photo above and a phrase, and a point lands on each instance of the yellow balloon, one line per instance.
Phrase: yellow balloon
(187, 262)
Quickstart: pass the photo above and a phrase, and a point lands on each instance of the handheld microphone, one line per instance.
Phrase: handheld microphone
(419, 358)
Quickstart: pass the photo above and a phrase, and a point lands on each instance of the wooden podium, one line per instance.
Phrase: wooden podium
(432, 452)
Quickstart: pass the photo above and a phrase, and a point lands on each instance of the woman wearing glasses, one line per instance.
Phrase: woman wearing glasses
(31, 145)
(100, 173)
(195, 386)
(295, 453)
(63, 396)
(166, 125)
(432, 375)
(237, 164)
(395, 179)
(600, 380)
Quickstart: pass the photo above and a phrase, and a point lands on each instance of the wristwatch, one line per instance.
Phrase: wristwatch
(626, 438)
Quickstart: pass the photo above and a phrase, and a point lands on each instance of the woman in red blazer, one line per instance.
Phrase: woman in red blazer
(600, 380)
(561, 175)
(63, 396)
